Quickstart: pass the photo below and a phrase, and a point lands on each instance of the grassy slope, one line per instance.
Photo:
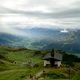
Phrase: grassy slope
(18, 71)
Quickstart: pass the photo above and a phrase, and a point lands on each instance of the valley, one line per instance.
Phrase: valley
(44, 39)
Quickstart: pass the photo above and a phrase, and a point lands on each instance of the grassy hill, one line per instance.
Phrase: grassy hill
(20, 63)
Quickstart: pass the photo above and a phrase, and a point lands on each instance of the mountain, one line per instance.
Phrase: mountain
(8, 39)
(40, 38)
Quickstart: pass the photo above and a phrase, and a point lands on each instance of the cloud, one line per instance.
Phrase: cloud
(27, 14)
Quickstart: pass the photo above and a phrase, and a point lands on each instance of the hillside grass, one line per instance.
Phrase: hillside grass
(9, 70)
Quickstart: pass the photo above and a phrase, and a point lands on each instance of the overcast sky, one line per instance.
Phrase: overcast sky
(23, 14)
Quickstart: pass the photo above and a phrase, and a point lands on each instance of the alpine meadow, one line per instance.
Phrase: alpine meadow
(39, 40)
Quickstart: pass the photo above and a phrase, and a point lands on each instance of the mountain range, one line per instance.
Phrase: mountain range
(40, 38)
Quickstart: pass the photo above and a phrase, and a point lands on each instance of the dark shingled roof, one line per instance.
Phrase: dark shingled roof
(56, 56)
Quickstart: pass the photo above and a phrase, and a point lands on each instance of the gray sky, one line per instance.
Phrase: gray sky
(25, 14)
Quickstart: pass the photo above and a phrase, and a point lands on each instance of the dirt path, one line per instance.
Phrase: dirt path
(36, 76)
(8, 71)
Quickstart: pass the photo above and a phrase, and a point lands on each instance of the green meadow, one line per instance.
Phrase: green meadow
(21, 63)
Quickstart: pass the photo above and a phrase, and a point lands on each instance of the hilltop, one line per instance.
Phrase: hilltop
(19, 63)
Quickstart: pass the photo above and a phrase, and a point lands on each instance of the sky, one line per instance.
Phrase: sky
(26, 14)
